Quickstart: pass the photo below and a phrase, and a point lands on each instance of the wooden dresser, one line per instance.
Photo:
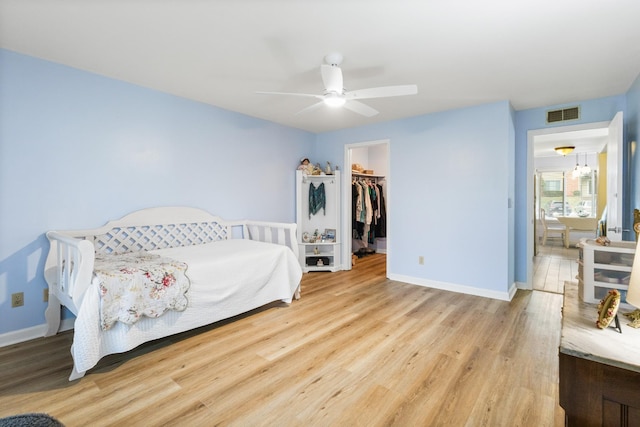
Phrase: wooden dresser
(599, 369)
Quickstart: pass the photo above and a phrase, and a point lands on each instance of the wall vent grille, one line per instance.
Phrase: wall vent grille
(555, 116)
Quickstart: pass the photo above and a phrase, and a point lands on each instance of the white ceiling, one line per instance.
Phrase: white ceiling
(589, 141)
(459, 52)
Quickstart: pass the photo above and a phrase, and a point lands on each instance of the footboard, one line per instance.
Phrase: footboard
(271, 232)
(68, 272)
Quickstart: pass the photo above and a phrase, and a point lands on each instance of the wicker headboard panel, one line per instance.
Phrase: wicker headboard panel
(150, 237)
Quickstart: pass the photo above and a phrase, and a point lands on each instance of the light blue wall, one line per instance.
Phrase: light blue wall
(78, 149)
(596, 110)
(451, 178)
(632, 129)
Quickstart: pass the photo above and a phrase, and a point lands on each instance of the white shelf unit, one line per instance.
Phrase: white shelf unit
(320, 255)
(601, 268)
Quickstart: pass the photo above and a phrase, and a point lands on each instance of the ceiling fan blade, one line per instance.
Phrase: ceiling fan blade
(382, 92)
(360, 108)
(332, 78)
(306, 95)
(311, 107)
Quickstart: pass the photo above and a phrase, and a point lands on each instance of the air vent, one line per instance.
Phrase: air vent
(555, 116)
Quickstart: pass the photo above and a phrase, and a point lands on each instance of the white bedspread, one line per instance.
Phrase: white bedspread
(228, 278)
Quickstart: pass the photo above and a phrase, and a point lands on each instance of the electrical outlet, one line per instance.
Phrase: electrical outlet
(45, 295)
(17, 299)
(421, 260)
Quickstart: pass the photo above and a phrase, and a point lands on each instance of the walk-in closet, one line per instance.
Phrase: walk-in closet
(369, 201)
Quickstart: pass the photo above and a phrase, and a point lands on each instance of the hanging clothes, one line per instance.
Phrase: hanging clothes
(381, 225)
(317, 199)
(373, 194)
(368, 212)
(356, 207)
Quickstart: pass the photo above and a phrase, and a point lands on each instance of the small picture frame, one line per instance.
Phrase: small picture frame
(330, 234)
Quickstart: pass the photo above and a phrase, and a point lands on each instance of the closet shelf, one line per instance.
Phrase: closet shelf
(353, 173)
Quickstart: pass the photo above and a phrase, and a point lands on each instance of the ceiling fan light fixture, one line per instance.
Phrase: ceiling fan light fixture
(334, 100)
(335, 95)
(564, 150)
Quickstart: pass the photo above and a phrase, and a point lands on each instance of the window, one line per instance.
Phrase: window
(561, 193)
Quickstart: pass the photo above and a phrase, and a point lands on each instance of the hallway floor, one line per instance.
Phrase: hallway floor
(554, 265)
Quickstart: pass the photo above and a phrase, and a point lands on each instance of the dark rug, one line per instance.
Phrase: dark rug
(30, 420)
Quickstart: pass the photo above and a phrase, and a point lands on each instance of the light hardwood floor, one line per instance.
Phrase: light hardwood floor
(553, 266)
(357, 349)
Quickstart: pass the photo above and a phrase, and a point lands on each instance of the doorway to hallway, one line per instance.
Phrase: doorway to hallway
(592, 135)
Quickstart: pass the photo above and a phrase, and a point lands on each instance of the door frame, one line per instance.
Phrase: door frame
(346, 199)
(531, 136)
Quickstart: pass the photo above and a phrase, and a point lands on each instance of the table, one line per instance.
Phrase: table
(576, 223)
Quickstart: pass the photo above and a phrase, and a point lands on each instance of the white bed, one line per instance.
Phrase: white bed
(233, 267)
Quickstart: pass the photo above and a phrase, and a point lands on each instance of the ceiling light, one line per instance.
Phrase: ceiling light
(581, 171)
(576, 170)
(564, 150)
(334, 100)
(586, 170)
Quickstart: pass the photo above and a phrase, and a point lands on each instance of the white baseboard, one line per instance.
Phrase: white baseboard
(512, 290)
(34, 332)
(461, 289)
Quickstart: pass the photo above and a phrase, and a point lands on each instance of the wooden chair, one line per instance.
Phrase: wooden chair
(548, 230)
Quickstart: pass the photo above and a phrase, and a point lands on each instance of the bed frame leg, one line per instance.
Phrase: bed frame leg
(52, 316)
(296, 295)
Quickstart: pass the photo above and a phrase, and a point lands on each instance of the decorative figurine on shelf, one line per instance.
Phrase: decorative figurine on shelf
(327, 170)
(316, 251)
(317, 170)
(305, 166)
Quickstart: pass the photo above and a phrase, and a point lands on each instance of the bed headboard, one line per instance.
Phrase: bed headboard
(157, 228)
(172, 227)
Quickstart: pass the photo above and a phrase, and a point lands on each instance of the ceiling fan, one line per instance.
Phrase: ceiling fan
(335, 94)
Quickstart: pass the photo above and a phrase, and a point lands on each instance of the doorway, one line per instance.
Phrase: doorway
(375, 157)
(575, 135)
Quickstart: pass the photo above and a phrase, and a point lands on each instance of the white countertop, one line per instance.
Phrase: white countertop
(581, 337)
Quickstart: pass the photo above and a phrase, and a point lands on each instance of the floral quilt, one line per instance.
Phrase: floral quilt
(139, 284)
